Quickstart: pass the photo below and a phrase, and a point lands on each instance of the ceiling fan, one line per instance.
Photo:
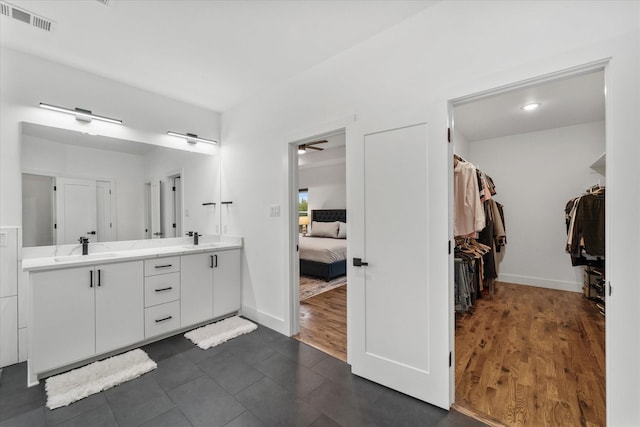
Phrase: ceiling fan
(303, 148)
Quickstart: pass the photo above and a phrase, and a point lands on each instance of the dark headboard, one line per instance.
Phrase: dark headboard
(329, 215)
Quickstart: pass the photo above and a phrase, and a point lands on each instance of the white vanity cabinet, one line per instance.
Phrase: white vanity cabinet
(210, 285)
(83, 311)
(161, 296)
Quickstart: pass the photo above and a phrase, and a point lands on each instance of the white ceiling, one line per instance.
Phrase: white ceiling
(214, 54)
(564, 102)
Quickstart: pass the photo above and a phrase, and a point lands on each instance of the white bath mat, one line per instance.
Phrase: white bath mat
(74, 385)
(219, 332)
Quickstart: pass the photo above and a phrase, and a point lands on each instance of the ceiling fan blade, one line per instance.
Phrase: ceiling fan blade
(315, 148)
(316, 142)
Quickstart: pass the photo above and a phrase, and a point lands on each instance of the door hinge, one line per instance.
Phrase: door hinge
(449, 359)
(297, 248)
(173, 188)
(610, 288)
(55, 188)
(55, 226)
(109, 191)
(174, 225)
(448, 134)
(110, 225)
(449, 247)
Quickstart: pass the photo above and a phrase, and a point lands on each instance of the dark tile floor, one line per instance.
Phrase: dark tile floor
(259, 379)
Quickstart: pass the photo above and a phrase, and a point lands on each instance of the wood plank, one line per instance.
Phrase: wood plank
(532, 357)
(323, 322)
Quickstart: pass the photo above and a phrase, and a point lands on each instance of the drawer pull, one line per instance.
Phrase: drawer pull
(163, 266)
(164, 289)
(164, 318)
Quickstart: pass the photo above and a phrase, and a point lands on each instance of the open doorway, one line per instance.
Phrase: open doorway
(529, 271)
(321, 265)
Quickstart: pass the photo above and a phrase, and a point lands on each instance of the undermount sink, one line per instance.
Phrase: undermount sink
(69, 258)
(203, 245)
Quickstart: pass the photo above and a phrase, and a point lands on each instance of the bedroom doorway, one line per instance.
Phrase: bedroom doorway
(539, 304)
(320, 306)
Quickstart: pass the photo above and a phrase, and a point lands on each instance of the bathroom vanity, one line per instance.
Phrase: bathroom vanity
(86, 307)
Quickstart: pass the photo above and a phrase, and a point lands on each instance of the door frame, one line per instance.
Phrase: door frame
(291, 143)
(598, 65)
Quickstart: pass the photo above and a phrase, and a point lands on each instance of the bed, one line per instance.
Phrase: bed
(324, 257)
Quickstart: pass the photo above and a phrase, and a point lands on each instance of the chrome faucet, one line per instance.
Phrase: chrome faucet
(85, 245)
(195, 236)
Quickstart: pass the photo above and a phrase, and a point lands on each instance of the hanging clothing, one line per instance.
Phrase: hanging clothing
(585, 221)
(468, 211)
(499, 233)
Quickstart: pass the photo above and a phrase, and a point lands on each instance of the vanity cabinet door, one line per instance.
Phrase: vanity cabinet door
(196, 288)
(119, 305)
(62, 320)
(226, 282)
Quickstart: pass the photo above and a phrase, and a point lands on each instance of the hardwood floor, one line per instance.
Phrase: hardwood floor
(532, 357)
(323, 322)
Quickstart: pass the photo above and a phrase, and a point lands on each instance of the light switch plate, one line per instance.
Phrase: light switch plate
(274, 210)
(3, 239)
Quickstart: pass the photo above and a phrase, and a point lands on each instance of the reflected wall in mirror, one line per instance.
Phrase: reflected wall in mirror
(79, 185)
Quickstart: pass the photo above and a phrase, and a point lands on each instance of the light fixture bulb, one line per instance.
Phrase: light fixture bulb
(191, 137)
(531, 107)
(81, 114)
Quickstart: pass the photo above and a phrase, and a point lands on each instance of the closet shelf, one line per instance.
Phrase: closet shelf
(600, 164)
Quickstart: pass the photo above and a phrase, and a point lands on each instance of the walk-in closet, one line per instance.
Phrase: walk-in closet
(529, 191)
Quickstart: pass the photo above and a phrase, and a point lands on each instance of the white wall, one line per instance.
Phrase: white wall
(450, 50)
(25, 81)
(327, 186)
(461, 144)
(535, 175)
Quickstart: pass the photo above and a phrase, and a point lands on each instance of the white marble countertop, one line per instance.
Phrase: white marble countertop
(69, 256)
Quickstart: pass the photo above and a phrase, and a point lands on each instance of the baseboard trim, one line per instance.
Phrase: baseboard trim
(541, 282)
(265, 319)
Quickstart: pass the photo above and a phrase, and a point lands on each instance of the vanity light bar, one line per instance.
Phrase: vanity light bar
(191, 137)
(80, 113)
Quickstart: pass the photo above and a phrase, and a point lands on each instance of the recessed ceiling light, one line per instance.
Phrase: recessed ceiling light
(531, 107)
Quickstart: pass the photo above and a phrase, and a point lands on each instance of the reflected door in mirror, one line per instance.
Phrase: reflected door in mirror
(75, 210)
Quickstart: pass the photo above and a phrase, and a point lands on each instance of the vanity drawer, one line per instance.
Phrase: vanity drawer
(161, 288)
(161, 318)
(161, 265)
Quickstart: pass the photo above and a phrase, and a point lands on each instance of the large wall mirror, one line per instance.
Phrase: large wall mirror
(107, 189)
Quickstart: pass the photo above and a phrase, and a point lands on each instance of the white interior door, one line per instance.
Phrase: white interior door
(154, 208)
(75, 210)
(103, 212)
(397, 333)
(171, 206)
(177, 209)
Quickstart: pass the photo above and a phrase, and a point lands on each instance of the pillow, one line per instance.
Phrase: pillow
(342, 230)
(324, 229)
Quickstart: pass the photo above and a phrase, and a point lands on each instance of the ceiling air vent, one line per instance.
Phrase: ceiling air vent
(23, 15)
(5, 9)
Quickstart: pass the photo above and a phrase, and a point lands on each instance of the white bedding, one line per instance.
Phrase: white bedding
(323, 249)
